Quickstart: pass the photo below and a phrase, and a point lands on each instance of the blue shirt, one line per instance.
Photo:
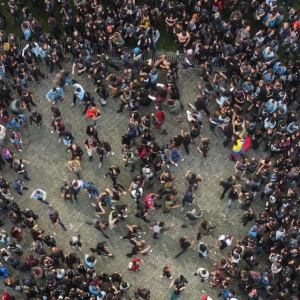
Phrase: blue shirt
(80, 94)
(271, 107)
(93, 191)
(40, 195)
(55, 95)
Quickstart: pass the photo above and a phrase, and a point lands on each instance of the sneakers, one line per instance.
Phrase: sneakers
(168, 166)
(90, 196)
(72, 104)
(97, 216)
(93, 204)
(176, 165)
(100, 165)
(49, 205)
(112, 207)
(53, 102)
(192, 202)
(181, 208)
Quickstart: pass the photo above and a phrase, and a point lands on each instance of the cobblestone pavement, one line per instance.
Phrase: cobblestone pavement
(48, 167)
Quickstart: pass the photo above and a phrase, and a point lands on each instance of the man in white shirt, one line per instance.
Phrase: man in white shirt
(2, 134)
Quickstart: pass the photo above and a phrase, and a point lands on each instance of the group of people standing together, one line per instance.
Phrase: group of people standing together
(254, 103)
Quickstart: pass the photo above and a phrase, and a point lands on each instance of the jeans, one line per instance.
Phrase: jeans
(181, 252)
(229, 202)
(186, 147)
(43, 201)
(66, 142)
(108, 202)
(76, 192)
(61, 224)
(226, 189)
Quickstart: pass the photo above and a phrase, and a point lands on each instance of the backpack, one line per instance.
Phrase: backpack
(31, 261)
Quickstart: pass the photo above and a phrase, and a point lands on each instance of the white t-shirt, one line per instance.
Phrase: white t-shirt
(2, 132)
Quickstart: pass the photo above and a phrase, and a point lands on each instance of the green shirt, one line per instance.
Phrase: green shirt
(173, 295)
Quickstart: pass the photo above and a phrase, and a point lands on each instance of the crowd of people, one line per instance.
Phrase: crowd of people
(254, 102)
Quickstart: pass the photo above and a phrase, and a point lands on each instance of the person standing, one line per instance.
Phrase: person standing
(75, 167)
(184, 244)
(2, 134)
(76, 186)
(16, 140)
(20, 168)
(27, 97)
(67, 192)
(226, 240)
(40, 195)
(78, 93)
(90, 145)
(202, 273)
(174, 157)
(35, 117)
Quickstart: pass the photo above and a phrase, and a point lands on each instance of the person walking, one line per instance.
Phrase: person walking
(18, 185)
(76, 151)
(184, 244)
(54, 217)
(40, 195)
(189, 197)
(227, 184)
(113, 172)
(16, 140)
(101, 249)
(159, 228)
(174, 291)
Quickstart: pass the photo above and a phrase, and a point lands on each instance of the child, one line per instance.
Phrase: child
(204, 147)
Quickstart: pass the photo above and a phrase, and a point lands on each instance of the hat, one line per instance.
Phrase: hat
(108, 28)
(206, 297)
(148, 171)
(136, 50)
